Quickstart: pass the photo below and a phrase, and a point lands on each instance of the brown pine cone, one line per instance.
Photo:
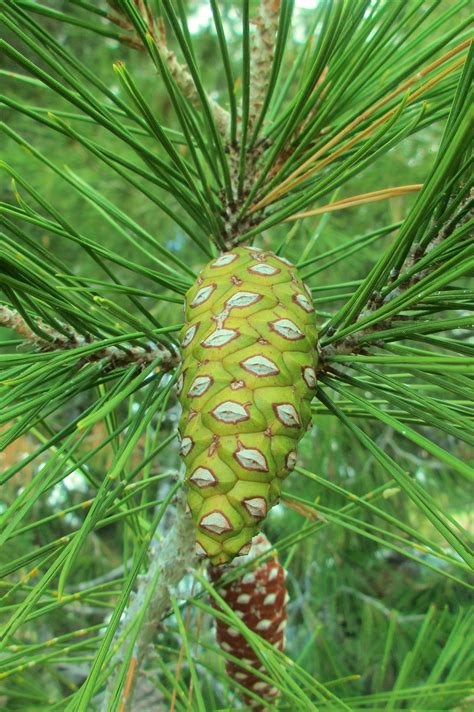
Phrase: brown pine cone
(259, 599)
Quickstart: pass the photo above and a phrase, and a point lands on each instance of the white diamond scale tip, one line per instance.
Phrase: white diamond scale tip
(284, 260)
(199, 550)
(309, 375)
(245, 549)
(189, 335)
(202, 295)
(252, 459)
(216, 522)
(187, 445)
(286, 414)
(242, 299)
(203, 477)
(248, 578)
(303, 302)
(256, 506)
(224, 260)
(199, 386)
(269, 599)
(230, 412)
(291, 460)
(263, 269)
(219, 338)
(273, 574)
(287, 329)
(243, 599)
(260, 366)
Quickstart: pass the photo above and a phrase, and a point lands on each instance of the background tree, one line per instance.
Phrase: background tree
(337, 136)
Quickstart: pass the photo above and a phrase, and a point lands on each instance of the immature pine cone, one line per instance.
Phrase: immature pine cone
(249, 357)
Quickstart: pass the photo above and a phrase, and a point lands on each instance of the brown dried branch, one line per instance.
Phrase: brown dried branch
(117, 356)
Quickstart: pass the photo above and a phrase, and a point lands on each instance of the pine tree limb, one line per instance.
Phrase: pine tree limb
(179, 72)
(169, 559)
(53, 340)
(263, 52)
(185, 82)
(351, 343)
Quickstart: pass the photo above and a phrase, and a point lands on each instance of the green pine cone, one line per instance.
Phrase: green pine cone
(249, 356)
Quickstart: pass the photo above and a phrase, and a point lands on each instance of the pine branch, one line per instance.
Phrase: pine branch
(179, 72)
(262, 55)
(461, 216)
(169, 559)
(185, 81)
(52, 340)
(351, 343)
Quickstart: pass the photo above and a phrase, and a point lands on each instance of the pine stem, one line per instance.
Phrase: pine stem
(46, 338)
(169, 559)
